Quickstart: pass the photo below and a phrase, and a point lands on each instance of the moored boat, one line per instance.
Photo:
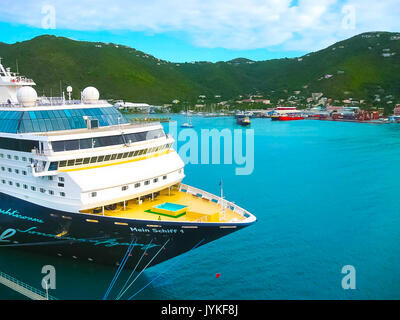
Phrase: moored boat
(243, 121)
(290, 117)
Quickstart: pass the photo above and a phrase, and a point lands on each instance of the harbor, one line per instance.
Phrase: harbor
(198, 159)
(278, 113)
(328, 222)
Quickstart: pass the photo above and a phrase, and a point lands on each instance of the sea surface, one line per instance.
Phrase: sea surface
(326, 195)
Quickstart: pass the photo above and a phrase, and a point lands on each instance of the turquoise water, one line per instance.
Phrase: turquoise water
(326, 194)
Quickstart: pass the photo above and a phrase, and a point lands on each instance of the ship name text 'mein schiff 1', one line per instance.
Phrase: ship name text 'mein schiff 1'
(79, 181)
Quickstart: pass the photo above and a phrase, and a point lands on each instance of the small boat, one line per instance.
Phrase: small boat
(286, 117)
(290, 117)
(244, 121)
(275, 117)
(188, 123)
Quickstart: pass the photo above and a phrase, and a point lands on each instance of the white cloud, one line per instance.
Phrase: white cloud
(232, 24)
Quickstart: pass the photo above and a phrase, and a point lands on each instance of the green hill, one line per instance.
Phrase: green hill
(361, 67)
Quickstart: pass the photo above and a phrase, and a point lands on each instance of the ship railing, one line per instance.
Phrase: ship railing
(38, 166)
(211, 197)
(21, 79)
(26, 286)
(52, 101)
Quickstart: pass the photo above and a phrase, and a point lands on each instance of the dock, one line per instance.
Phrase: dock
(23, 288)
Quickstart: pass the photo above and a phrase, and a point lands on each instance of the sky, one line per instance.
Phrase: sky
(201, 30)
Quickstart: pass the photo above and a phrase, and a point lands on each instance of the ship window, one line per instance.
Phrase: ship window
(42, 190)
(25, 186)
(16, 157)
(53, 166)
(61, 185)
(137, 185)
(23, 158)
(113, 156)
(78, 161)
(16, 171)
(85, 143)
(93, 159)
(119, 155)
(9, 156)
(63, 163)
(93, 194)
(51, 192)
(147, 182)
(4, 181)
(107, 157)
(126, 154)
(33, 188)
(124, 188)
(155, 180)
(130, 154)
(136, 153)
(71, 145)
(17, 184)
(10, 183)
(164, 177)
(2, 168)
(9, 170)
(50, 178)
(61, 179)
(24, 172)
(70, 162)
(100, 159)
(86, 160)
(1, 155)
(62, 194)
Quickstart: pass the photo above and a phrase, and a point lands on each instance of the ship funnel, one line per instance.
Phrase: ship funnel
(27, 96)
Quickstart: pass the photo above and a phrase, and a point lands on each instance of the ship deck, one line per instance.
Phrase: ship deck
(196, 209)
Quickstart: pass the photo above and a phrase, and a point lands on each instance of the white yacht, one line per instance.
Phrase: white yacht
(80, 181)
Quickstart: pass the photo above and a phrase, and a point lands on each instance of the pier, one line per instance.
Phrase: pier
(23, 288)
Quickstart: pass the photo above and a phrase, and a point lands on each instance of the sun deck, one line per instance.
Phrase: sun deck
(172, 205)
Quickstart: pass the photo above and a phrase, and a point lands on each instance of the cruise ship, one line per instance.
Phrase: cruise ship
(78, 180)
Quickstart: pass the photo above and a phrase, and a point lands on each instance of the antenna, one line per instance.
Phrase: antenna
(69, 90)
(16, 62)
(222, 200)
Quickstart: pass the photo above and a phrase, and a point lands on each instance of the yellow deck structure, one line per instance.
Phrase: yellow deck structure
(198, 209)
